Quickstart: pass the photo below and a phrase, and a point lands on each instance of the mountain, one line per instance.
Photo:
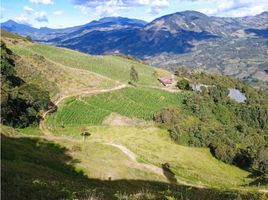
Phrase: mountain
(138, 42)
(104, 135)
(230, 46)
(239, 48)
(44, 33)
(15, 27)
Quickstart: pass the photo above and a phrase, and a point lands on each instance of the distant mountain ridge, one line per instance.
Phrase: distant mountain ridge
(231, 46)
(44, 33)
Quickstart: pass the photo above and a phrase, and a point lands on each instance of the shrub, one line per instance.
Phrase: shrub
(184, 84)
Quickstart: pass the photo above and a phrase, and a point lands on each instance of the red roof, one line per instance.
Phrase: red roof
(165, 80)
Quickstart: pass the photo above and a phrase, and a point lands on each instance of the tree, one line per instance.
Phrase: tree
(134, 76)
(182, 71)
(262, 160)
(219, 93)
(183, 84)
(20, 102)
(85, 133)
(29, 38)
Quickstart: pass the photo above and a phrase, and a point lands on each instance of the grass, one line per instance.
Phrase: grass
(140, 103)
(31, 131)
(57, 79)
(114, 67)
(102, 161)
(7, 34)
(153, 145)
(34, 168)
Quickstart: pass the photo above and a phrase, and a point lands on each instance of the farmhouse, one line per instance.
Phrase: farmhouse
(165, 81)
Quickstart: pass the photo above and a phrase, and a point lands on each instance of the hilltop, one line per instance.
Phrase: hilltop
(222, 45)
(104, 127)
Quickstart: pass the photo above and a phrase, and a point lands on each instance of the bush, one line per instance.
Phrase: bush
(20, 102)
(29, 38)
(184, 85)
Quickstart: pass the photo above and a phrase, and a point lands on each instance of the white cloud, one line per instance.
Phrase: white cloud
(46, 2)
(58, 12)
(118, 3)
(160, 3)
(2, 10)
(157, 5)
(41, 16)
(22, 19)
(108, 7)
(28, 9)
(236, 8)
(112, 7)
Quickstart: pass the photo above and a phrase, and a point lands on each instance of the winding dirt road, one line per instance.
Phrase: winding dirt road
(133, 157)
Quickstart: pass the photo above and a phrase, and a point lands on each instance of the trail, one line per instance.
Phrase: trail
(42, 125)
(75, 68)
(133, 157)
(81, 70)
(148, 167)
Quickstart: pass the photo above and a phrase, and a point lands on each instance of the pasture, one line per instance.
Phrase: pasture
(111, 66)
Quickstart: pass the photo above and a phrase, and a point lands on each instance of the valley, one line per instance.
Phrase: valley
(129, 151)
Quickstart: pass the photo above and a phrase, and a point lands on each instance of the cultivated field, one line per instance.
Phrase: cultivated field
(114, 67)
(140, 103)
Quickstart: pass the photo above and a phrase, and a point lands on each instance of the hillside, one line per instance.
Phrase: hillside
(222, 45)
(96, 133)
(63, 71)
(38, 168)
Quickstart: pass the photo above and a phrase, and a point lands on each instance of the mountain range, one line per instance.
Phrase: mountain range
(231, 46)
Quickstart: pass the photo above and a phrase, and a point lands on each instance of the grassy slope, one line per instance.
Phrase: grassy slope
(114, 67)
(131, 102)
(59, 176)
(34, 168)
(55, 78)
(153, 145)
(150, 144)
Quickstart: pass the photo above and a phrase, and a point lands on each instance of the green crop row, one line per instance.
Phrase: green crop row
(114, 67)
(140, 103)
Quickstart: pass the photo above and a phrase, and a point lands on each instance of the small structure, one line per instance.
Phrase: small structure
(165, 81)
(237, 95)
(197, 87)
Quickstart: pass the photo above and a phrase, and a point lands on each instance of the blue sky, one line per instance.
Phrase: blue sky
(67, 13)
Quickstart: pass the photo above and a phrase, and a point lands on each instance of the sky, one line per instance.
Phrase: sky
(68, 13)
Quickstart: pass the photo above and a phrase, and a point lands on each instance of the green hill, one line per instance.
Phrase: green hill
(114, 67)
(41, 169)
(106, 139)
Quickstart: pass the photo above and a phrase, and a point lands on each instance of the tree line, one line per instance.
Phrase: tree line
(236, 133)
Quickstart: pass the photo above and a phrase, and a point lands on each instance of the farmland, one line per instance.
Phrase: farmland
(51, 76)
(140, 103)
(53, 160)
(114, 67)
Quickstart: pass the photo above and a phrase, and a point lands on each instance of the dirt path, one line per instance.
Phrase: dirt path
(75, 69)
(42, 125)
(81, 70)
(148, 167)
(264, 191)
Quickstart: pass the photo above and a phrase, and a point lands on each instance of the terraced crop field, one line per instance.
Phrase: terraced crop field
(140, 103)
(114, 67)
